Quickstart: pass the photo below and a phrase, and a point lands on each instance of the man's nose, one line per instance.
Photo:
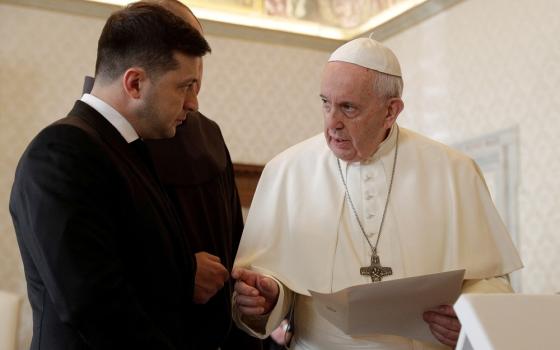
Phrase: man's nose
(191, 101)
(333, 119)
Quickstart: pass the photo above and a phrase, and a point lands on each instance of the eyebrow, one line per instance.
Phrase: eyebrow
(349, 103)
(188, 82)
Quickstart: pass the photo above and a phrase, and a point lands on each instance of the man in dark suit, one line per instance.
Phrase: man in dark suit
(197, 173)
(196, 170)
(105, 258)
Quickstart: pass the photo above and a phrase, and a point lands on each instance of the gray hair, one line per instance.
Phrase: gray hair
(387, 86)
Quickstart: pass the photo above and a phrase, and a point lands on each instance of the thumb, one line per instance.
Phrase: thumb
(236, 272)
(247, 276)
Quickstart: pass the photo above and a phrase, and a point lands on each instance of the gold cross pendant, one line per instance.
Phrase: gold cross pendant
(375, 270)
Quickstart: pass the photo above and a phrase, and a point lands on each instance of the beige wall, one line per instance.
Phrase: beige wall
(479, 67)
(484, 66)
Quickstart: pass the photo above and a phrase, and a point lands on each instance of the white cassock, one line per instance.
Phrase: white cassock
(302, 231)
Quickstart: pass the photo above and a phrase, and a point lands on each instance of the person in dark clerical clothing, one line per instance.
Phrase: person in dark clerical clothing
(197, 172)
(106, 261)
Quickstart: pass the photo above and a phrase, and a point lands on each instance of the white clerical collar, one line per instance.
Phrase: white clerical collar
(115, 118)
(384, 147)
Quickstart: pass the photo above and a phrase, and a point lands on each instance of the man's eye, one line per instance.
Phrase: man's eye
(186, 87)
(348, 108)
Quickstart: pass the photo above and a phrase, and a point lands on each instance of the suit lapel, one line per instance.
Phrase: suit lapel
(88, 119)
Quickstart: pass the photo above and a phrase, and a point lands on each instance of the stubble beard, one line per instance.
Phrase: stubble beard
(152, 118)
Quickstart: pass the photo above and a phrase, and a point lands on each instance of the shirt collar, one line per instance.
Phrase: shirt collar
(384, 147)
(115, 118)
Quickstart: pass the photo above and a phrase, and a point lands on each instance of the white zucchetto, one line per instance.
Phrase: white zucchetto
(368, 53)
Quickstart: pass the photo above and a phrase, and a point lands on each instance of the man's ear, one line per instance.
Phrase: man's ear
(134, 82)
(395, 107)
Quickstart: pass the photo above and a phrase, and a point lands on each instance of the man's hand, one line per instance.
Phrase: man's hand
(444, 324)
(256, 294)
(210, 277)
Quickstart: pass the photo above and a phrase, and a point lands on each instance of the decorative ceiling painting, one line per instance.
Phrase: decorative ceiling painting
(343, 14)
(328, 19)
(332, 19)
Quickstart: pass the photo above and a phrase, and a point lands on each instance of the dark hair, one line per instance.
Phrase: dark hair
(145, 35)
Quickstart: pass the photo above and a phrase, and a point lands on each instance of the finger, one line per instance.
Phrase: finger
(445, 332)
(201, 255)
(268, 287)
(236, 272)
(213, 257)
(448, 322)
(212, 273)
(446, 310)
(207, 257)
(209, 288)
(442, 338)
(214, 284)
(251, 310)
(221, 271)
(245, 275)
(225, 274)
(243, 288)
(248, 301)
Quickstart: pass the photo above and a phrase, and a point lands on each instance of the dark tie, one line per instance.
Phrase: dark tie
(142, 150)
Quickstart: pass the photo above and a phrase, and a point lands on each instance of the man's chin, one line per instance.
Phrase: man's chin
(171, 133)
(342, 153)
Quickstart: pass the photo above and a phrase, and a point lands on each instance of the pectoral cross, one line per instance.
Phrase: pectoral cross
(375, 270)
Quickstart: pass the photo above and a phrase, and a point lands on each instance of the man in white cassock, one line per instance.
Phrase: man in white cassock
(375, 202)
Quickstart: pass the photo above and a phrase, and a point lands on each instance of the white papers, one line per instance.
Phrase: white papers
(390, 307)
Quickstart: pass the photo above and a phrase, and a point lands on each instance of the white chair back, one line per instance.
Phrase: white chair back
(508, 321)
(9, 319)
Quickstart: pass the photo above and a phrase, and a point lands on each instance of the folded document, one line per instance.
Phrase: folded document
(390, 307)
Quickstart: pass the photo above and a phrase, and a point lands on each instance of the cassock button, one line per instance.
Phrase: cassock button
(371, 216)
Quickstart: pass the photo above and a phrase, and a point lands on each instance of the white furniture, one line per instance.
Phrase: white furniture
(9, 317)
(508, 321)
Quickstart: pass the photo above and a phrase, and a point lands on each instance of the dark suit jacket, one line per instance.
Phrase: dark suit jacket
(106, 263)
(196, 169)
